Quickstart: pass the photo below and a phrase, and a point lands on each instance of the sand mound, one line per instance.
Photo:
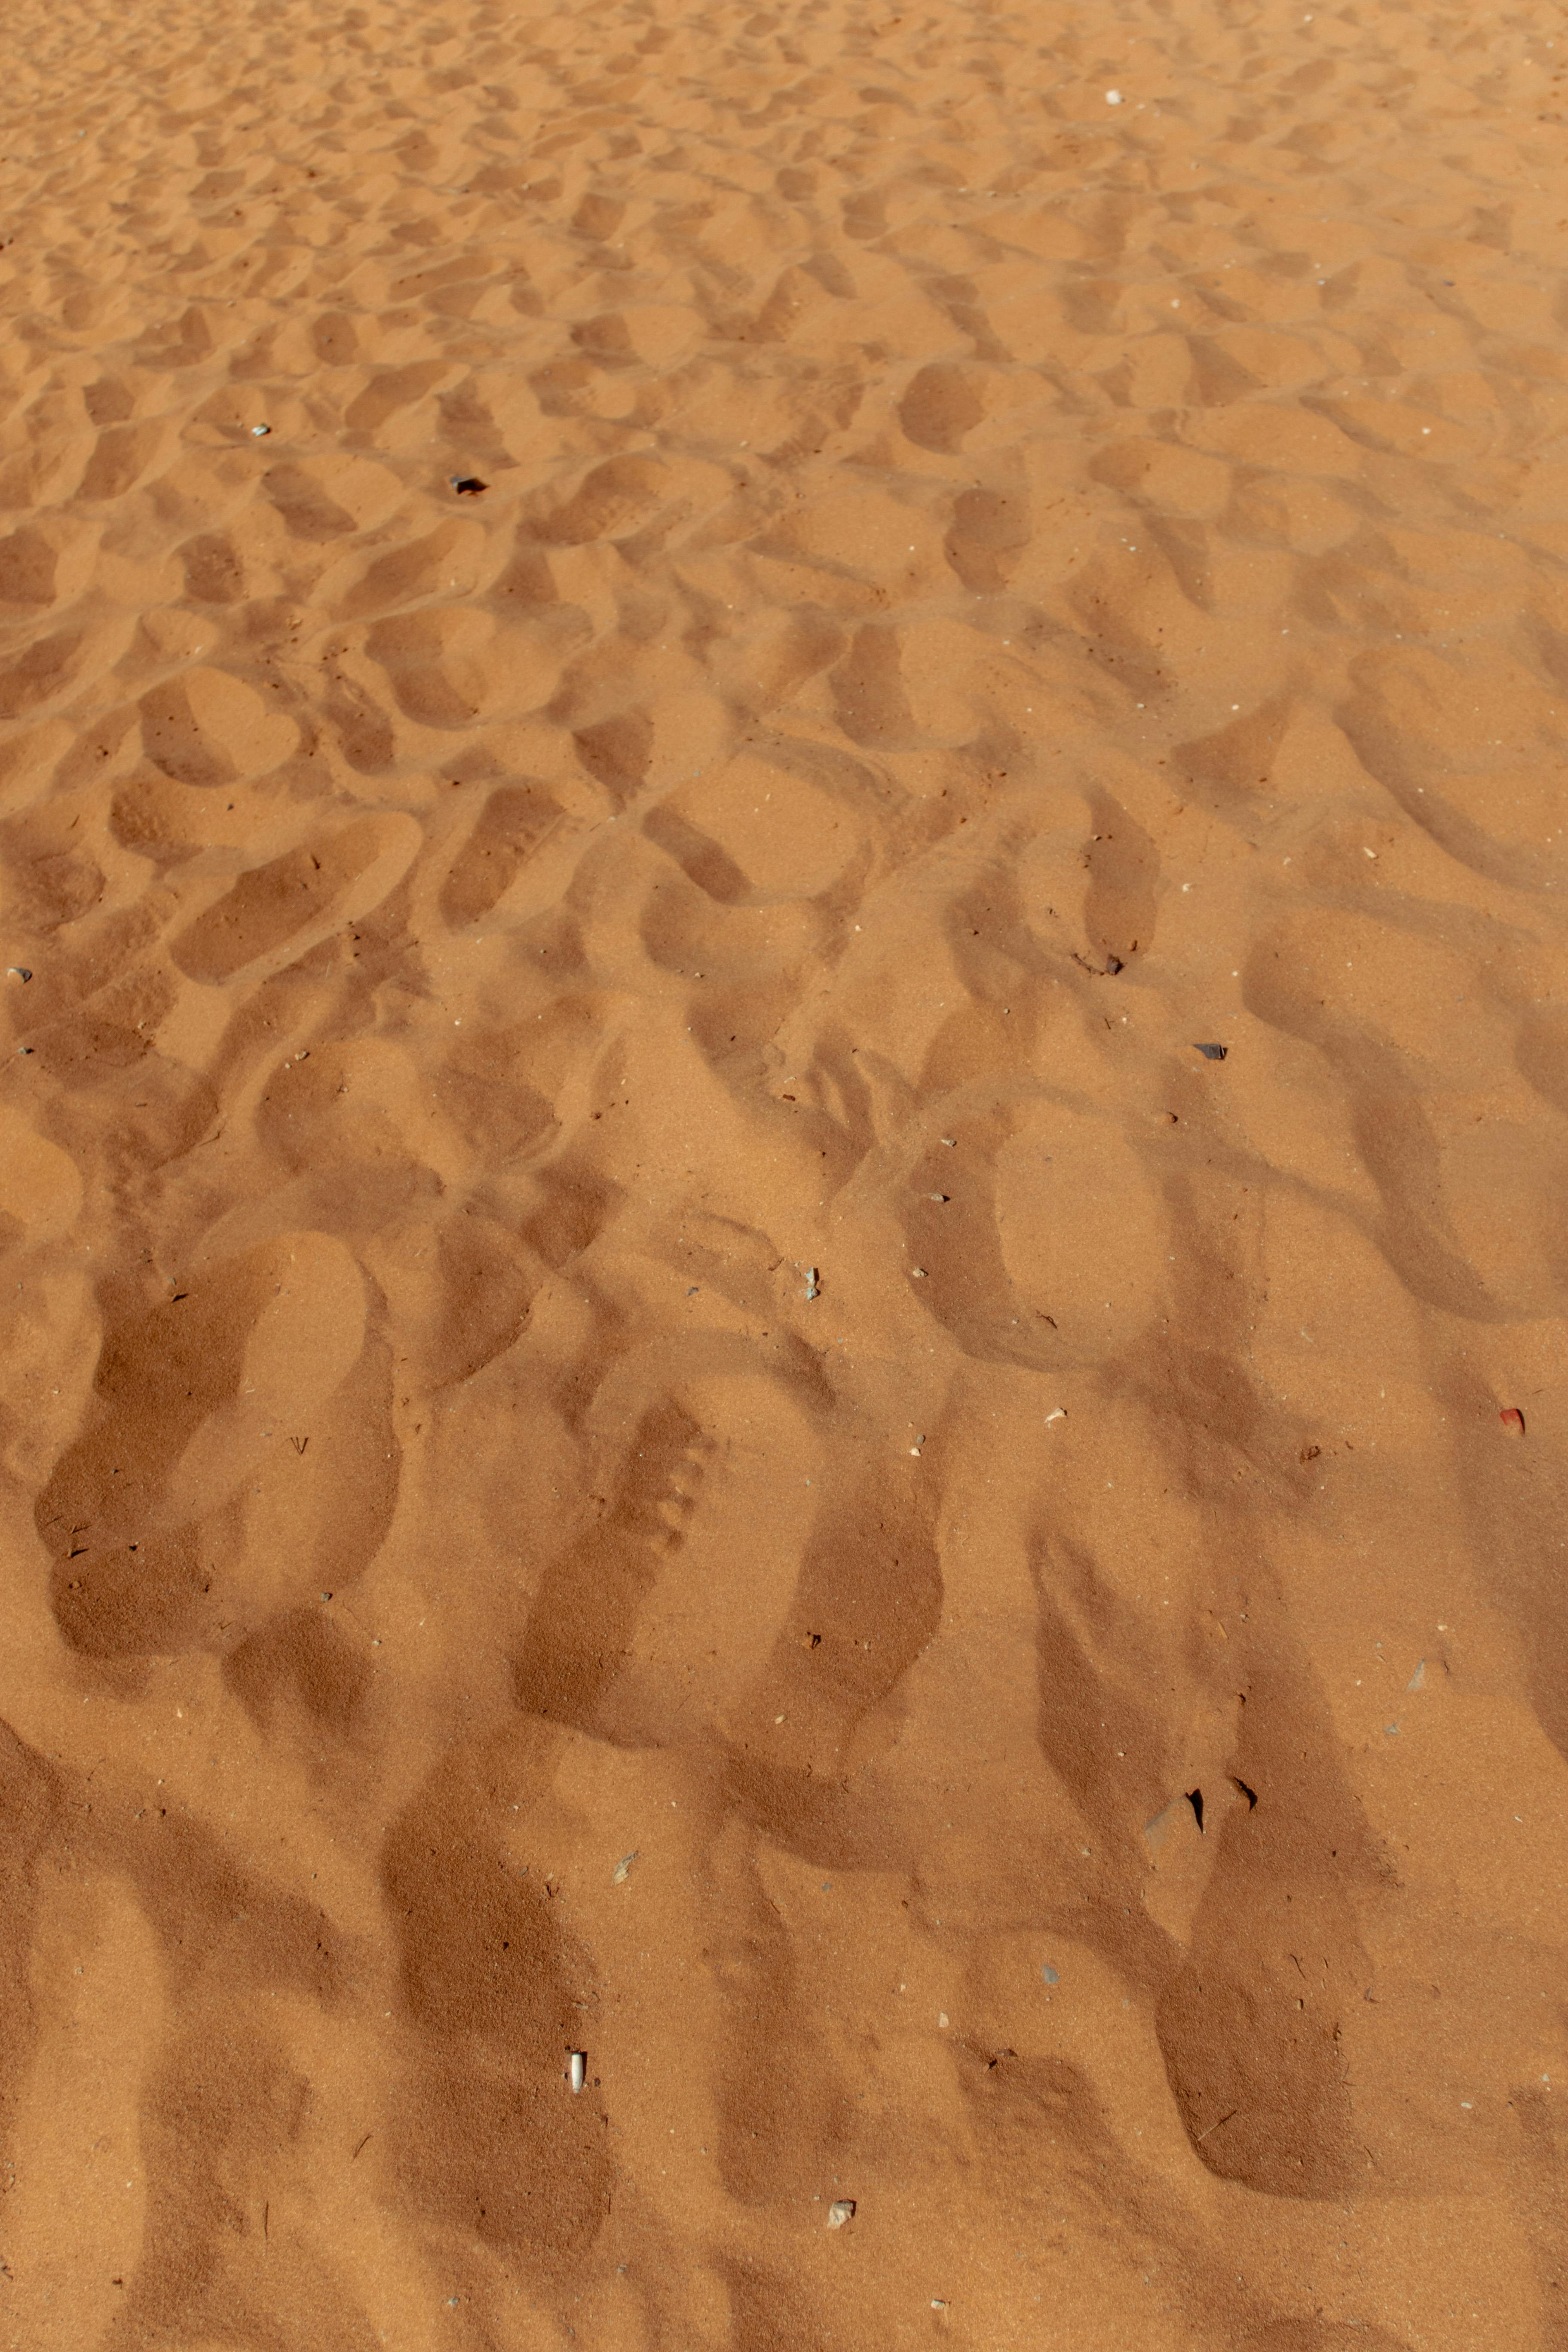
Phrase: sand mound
(785, 1304)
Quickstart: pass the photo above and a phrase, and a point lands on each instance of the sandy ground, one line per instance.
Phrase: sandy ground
(654, 1404)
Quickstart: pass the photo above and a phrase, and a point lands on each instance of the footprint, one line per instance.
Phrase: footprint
(989, 532)
(489, 2144)
(870, 704)
(430, 566)
(1049, 1249)
(391, 390)
(279, 912)
(751, 834)
(1255, 1927)
(659, 1626)
(29, 566)
(302, 1659)
(1165, 478)
(1123, 869)
(215, 570)
(205, 727)
(238, 1459)
(1250, 2024)
(458, 1292)
(51, 882)
(451, 665)
(612, 501)
(515, 822)
(332, 497)
(1471, 751)
(50, 668)
(124, 453)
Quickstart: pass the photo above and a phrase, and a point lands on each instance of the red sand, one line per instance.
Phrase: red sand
(653, 1404)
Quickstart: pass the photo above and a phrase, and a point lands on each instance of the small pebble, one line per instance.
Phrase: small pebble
(623, 1869)
(842, 2209)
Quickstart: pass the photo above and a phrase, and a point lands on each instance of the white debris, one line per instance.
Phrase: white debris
(842, 2209)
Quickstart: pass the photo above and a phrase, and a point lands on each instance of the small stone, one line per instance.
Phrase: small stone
(842, 2209)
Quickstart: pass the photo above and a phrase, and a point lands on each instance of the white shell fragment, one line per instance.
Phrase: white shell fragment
(842, 2209)
(578, 2071)
(623, 1869)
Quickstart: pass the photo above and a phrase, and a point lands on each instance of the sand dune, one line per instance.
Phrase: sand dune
(656, 1402)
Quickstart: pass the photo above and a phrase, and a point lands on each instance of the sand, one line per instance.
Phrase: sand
(655, 1404)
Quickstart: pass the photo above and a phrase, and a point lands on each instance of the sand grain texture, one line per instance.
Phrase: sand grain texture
(653, 1404)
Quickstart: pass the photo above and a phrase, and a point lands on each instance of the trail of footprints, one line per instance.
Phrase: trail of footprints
(871, 471)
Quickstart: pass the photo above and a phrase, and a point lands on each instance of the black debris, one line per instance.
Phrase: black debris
(1212, 1053)
(469, 486)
